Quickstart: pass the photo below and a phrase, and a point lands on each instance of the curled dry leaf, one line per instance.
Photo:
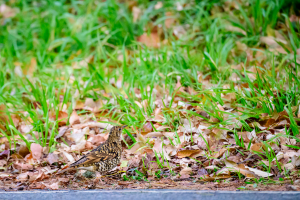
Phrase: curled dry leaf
(245, 170)
(232, 166)
(259, 172)
(220, 153)
(23, 150)
(187, 153)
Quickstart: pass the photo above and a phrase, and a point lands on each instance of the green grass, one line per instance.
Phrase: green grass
(58, 35)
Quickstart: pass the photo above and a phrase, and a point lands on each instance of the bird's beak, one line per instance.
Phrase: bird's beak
(124, 126)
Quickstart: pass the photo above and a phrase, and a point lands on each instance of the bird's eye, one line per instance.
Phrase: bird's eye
(119, 129)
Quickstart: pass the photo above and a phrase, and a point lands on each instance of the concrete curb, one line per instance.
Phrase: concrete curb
(148, 195)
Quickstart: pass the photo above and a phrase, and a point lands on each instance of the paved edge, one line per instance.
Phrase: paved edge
(148, 195)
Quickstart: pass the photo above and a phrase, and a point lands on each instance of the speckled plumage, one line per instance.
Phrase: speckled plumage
(105, 157)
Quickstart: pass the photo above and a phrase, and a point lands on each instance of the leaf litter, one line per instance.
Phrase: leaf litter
(197, 150)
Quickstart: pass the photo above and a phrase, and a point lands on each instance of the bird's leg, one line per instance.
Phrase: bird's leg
(98, 177)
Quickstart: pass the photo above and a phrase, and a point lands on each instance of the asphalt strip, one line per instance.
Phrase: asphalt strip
(148, 195)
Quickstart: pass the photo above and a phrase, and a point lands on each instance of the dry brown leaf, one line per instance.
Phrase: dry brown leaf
(52, 158)
(185, 172)
(62, 118)
(187, 153)
(158, 5)
(93, 125)
(7, 12)
(2, 163)
(23, 150)
(90, 103)
(79, 105)
(79, 146)
(170, 21)
(23, 177)
(259, 172)
(97, 139)
(22, 166)
(220, 153)
(31, 67)
(36, 151)
(78, 135)
(53, 186)
(257, 147)
(3, 117)
(69, 157)
(213, 178)
(239, 169)
(74, 118)
(151, 40)
(62, 130)
(136, 12)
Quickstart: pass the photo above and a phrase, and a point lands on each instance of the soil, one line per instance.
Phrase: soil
(71, 182)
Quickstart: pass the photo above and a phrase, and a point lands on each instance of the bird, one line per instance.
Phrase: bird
(103, 158)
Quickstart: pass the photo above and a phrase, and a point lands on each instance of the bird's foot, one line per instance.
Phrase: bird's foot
(98, 178)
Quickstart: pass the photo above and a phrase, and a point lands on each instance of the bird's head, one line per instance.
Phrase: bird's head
(116, 131)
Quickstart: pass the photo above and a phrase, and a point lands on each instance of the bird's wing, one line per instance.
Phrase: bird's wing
(90, 158)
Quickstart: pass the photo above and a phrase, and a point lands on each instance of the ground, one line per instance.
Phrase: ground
(209, 91)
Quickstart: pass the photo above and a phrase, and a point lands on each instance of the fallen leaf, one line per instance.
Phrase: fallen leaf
(62, 118)
(74, 118)
(78, 135)
(90, 103)
(257, 147)
(151, 40)
(97, 139)
(52, 158)
(62, 130)
(185, 172)
(187, 153)
(23, 177)
(259, 172)
(158, 5)
(69, 157)
(220, 153)
(53, 186)
(22, 166)
(136, 12)
(7, 12)
(124, 182)
(36, 151)
(23, 150)
(2, 163)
